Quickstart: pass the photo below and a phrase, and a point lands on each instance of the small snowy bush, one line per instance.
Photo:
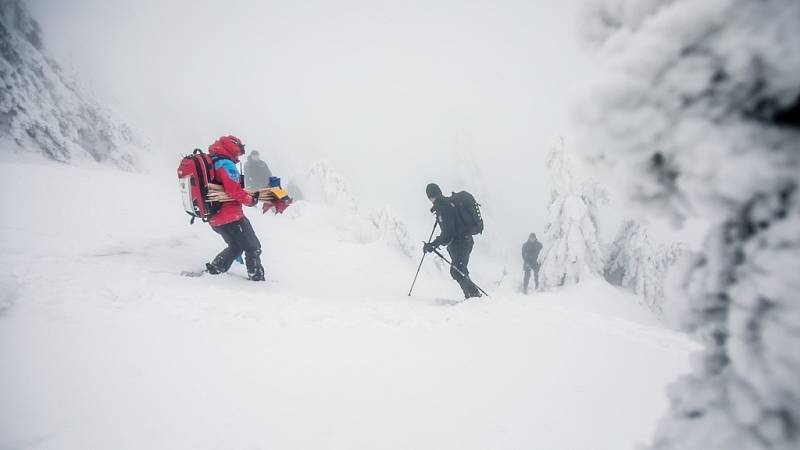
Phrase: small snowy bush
(392, 230)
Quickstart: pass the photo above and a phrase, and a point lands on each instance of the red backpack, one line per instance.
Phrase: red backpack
(194, 173)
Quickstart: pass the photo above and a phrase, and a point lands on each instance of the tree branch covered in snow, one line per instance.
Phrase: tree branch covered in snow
(699, 110)
(41, 110)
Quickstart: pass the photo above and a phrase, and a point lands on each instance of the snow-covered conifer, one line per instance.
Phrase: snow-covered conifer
(636, 264)
(700, 109)
(571, 244)
(631, 264)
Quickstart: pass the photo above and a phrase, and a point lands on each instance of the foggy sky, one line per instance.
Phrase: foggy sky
(395, 94)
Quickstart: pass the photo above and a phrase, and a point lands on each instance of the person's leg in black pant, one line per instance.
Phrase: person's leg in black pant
(248, 241)
(222, 262)
(526, 281)
(240, 237)
(459, 251)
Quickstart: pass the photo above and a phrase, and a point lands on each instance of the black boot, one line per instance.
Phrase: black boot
(468, 287)
(223, 261)
(257, 274)
(212, 269)
(255, 271)
(473, 290)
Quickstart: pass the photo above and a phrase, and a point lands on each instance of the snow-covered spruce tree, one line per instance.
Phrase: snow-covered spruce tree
(632, 264)
(42, 111)
(571, 244)
(700, 111)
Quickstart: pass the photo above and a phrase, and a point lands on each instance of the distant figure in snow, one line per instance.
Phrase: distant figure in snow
(458, 240)
(530, 261)
(256, 171)
(230, 221)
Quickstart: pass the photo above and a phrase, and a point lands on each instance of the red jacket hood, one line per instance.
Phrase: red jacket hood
(225, 146)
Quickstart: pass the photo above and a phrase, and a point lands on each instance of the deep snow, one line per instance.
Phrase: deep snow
(104, 345)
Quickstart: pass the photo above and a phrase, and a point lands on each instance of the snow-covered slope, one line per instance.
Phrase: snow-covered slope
(42, 111)
(104, 345)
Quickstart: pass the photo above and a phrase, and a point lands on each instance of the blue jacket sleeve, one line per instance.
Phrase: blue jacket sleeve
(229, 176)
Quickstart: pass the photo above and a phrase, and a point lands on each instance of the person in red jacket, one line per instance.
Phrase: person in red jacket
(230, 221)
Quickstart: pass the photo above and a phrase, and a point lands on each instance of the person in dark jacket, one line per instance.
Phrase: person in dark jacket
(230, 221)
(530, 261)
(459, 241)
(256, 171)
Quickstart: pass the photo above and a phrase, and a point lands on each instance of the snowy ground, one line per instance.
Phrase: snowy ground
(103, 345)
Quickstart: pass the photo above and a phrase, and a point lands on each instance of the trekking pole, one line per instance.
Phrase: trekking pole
(459, 272)
(435, 223)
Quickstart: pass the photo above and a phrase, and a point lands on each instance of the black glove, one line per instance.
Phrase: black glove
(255, 196)
(429, 247)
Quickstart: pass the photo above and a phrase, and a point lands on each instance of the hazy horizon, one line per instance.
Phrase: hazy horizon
(468, 94)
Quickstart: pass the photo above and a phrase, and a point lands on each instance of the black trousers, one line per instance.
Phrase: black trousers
(240, 238)
(459, 250)
(527, 268)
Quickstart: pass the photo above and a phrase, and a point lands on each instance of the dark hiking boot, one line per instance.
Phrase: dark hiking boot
(469, 288)
(212, 269)
(257, 275)
(472, 293)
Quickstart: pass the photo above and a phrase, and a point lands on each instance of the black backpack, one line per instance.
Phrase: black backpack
(468, 213)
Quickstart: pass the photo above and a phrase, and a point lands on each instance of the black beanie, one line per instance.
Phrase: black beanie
(433, 190)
